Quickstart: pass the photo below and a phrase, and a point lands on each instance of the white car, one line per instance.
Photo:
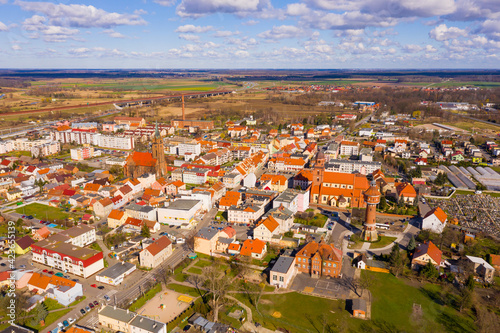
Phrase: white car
(60, 325)
(71, 320)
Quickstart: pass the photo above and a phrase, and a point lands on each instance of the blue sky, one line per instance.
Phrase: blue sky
(250, 34)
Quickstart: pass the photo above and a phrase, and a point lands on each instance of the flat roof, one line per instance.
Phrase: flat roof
(283, 264)
(183, 204)
(116, 270)
(147, 324)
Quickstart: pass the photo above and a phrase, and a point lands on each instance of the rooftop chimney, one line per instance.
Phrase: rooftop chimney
(183, 114)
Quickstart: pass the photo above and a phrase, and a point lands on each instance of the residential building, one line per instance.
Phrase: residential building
(353, 166)
(116, 218)
(319, 259)
(62, 290)
(294, 200)
(156, 253)
(80, 235)
(435, 220)
(405, 192)
(254, 248)
(23, 245)
(481, 268)
(283, 272)
(349, 148)
(425, 253)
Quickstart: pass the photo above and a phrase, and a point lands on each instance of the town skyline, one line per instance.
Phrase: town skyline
(205, 34)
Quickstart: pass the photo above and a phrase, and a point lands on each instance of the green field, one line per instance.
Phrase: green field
(203, 263)
(42, 212)
(51, 317)
(301, 313)
(195, 270)
(384, 241)
(147, 296)
(393, 302)
(184, 289)
(145, 85)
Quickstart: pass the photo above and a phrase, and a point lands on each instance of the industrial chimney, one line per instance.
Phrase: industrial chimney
(183, 114)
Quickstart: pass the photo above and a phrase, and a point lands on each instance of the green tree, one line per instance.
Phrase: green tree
(383, 203)
(411, 244)
(39, 313)
(429, 271)
(395, 260)
(145, 232)
(469, 283)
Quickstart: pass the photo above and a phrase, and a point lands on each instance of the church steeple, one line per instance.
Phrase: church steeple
(157, 132)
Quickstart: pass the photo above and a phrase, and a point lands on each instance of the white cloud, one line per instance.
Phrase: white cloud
(193, 28)
(3, 27)
(114, 34)
(51, 33)
(166, 3)
(281, 32)
(241, 54)
(190, 37)
(16, 47)
(226, 33)
(442, 33)
(250, 22)
(80, 16)
(297, 9)
(430, 49)
(412, 48)
(199, 8)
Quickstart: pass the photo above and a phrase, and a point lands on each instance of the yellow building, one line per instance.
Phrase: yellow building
(23, 245)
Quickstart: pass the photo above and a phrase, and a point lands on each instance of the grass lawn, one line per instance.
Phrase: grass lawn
(383, 241)
(203, 263)
(195, 270)
(77, 301)
(51, 317)
(317, 220)
(95, 246)
(299, 313)
(393, 301)
(224, 316)
(184, 289)
(52, 304)
(42, 211)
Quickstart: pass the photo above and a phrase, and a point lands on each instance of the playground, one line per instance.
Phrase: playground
(165, 306)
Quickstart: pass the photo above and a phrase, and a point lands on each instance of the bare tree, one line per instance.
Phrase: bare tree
(217, 284)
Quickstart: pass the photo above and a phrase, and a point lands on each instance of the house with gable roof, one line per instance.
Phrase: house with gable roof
(267, 229)
(254, 248)
(156, 253)
(435, 220)
(425, 253)
(406, 192)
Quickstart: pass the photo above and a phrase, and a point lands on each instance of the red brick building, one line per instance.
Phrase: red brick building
(319, 259)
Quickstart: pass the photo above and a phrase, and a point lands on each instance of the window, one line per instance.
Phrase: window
(303, 266)
(282, 279)
(274, 277)
(329, 264)
(334, 265)
(299, 259)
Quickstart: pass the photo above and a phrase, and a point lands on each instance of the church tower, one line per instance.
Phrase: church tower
(159, 153)
(372, 198)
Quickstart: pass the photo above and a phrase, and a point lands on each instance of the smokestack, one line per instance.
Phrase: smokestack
(183, 114)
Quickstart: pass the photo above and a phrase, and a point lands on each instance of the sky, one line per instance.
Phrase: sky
(211, 34)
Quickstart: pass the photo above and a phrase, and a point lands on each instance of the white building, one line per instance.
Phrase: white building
(349, 148)
(80, 154)
(194, 149)
(435, 220)
(46, 149)
(353, 166)
(282, 272)
(179, 212)
(115, 274)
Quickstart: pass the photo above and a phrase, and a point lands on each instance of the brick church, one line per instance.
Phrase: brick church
(139, 163)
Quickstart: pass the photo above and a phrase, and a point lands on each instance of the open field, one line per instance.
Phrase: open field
(394, 300)
(470, 125)
(42, 211)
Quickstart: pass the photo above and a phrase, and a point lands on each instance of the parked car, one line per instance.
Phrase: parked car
(82, 311)
(71, 320)
(59, 274)
(23, 266)
(96, 303)
(100, 287)
(60, 325)
(45, 270)
(51, 272)
(65, 323)
(87, 309)
(106, 297)
(91, 305)
(93, 285)
(30, 217)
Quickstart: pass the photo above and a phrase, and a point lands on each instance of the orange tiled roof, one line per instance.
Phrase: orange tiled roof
(92, 187)
(440, 214)
(326, 251)
(116, 214)
(252, 246)
(430, 249)
(158, 245)
(270, 223)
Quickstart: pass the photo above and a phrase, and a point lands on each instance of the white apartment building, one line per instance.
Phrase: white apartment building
(349, 148)
(81, 235)
(247, 213)
(46, 149)
(96, 139)
(348, 166)
(194, 176)
(193, 149)
(6, 146)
